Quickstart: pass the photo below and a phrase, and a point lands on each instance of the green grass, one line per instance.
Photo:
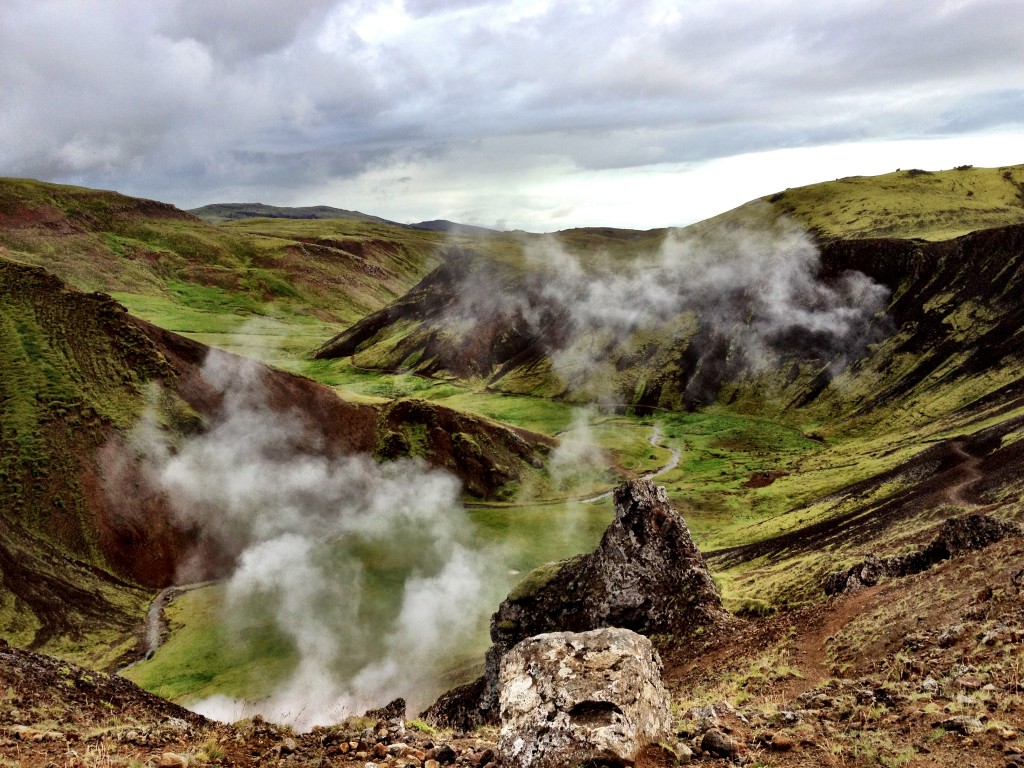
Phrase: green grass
(931, 206)
(208, 652)
(276, 289)
(532, 535)
(311, 278)
(203, 656)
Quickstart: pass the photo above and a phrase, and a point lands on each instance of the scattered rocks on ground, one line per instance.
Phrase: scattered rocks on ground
(574, 698)
(956, 536)
(962, 724)
(172, 760)
(717, 744)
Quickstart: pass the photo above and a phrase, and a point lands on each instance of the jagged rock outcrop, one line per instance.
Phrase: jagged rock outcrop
(957, 536)
(645, 575)
(571, 698)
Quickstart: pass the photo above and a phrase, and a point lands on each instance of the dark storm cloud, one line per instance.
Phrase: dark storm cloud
(205, 97)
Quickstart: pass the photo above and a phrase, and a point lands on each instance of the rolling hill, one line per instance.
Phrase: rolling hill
(221, 212)
(913, 394)
(84, 533)
(822, 374)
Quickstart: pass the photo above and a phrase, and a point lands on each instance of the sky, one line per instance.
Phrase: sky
(526, 114)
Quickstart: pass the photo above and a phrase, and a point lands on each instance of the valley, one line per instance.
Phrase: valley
(865, 384)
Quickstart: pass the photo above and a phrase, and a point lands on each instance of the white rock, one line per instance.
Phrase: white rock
(571, 698)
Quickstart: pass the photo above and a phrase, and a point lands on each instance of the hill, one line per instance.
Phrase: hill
(212, 282)
(920, 670)
(807, 400)
(220, 212)
(893, 363)
(83, 530)
(443, 225)
(931, 205)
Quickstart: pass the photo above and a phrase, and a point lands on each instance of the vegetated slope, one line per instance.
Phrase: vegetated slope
(908, 203)
(189, 275)
(81, 530)
(217, 213)
(511, 344)
(954, 313)
(443, 225)
(220, 212)
(920, 422)
(922, 670)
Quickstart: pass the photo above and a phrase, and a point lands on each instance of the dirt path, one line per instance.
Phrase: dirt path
(970, 467)
(654, 442)
(677, 454)
(155, 628)
(809, 654)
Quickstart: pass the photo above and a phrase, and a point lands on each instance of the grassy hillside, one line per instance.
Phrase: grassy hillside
(298, 284)
(221, 212)
(929, 205)
(74, 372)
(847, 456)
(84, 535)
(786, 471)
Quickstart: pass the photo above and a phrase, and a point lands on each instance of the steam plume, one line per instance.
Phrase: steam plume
(741, 297)
(299, 523)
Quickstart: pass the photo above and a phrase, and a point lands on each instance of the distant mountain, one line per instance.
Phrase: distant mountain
(443, 225)
(238, 211)
(218, 212)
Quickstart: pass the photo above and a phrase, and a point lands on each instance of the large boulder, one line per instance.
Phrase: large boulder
(645, 575)
(581, 698)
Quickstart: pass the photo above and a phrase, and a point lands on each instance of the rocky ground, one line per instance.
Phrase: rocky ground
(916, 670)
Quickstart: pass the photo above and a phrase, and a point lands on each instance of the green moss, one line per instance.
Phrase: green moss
(535, 581)
(932, 206)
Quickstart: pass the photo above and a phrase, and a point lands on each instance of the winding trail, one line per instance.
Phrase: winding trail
(970, 467)
(810, 654)
(654, 442)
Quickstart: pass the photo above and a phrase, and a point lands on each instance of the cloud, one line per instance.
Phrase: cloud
(152, 98)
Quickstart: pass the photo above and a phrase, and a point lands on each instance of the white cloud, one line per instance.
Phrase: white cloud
(523, 100)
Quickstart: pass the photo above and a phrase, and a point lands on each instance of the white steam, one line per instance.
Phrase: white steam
(299, 523)
(577, 458)
(740, 297)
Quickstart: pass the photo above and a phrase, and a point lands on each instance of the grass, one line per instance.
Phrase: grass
(930, 206)
(203, 656)
(276, 289)
(209, 653)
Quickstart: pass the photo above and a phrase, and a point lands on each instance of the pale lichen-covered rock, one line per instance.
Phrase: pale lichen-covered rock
(576, 698)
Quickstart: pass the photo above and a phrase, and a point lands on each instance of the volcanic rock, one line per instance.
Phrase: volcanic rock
(957, 536)
(718, 744)
(645, 575)
(578, 698)
(962, 724)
